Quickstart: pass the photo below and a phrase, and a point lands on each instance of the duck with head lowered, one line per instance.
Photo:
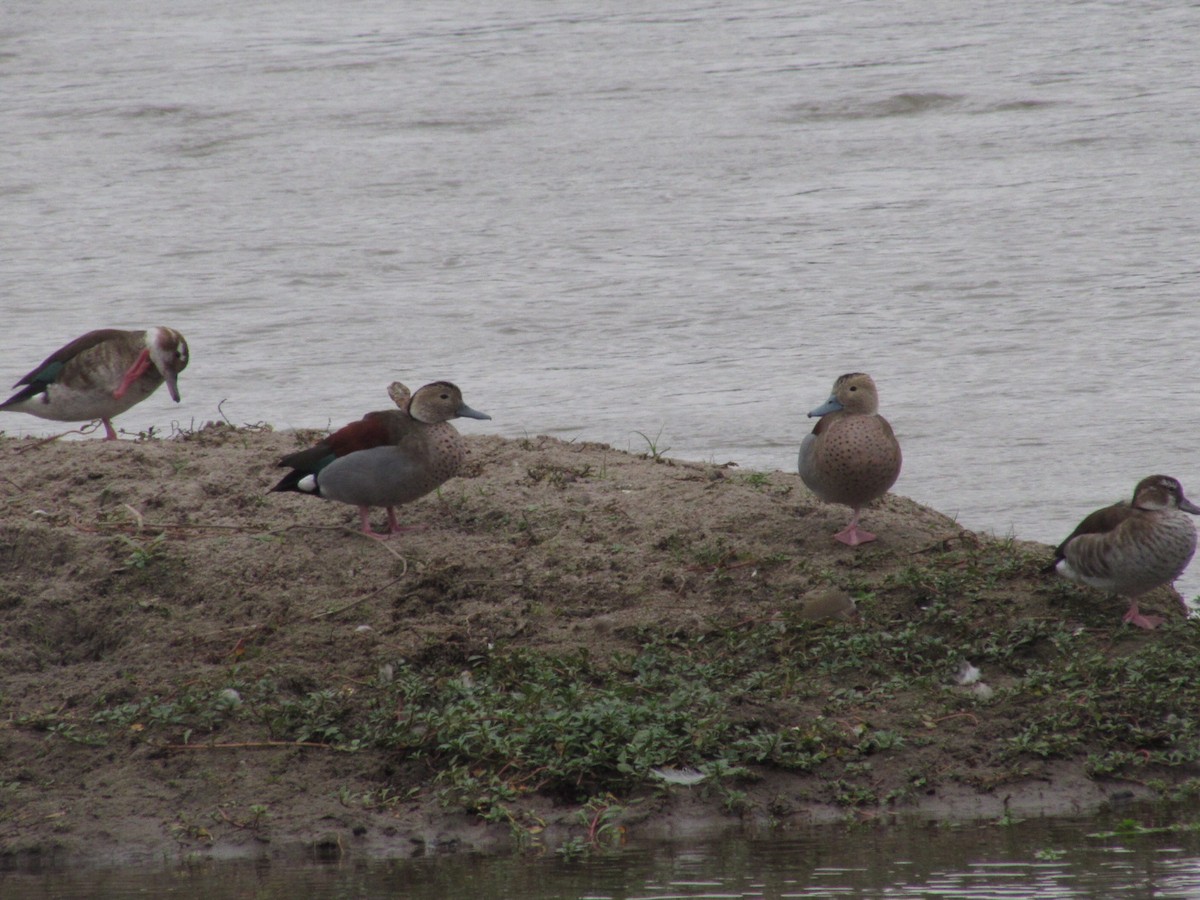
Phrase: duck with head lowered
(1130, 548)
(386, 458)
(852, 456)
(102, 374)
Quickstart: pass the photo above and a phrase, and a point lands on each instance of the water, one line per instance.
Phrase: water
(1038, 858)
(680, 219)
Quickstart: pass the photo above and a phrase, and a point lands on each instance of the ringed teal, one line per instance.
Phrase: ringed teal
(373, 429)
(386, 458)
(102, 374)
(852, 456)
(1128, 549)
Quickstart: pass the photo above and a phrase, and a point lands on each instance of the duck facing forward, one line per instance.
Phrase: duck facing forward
(1131, 548)
(852, 457)
(386, 458)
(102, 374)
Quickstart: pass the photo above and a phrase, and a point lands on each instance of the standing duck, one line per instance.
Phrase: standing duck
(852, 457)
(1131, 548)
(102, 374)
(375, 429)
(386, 458)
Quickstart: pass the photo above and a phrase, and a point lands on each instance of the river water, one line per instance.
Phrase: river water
(680, 219)
(989, 861)
(634, 222)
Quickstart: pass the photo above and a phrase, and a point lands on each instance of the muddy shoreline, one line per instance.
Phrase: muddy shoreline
(194, 668)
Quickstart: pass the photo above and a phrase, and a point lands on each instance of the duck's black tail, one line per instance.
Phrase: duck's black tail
(289, 482)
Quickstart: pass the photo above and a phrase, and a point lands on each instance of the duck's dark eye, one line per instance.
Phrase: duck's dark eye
(853, 389)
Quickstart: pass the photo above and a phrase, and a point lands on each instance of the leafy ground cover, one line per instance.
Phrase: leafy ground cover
(579, 646)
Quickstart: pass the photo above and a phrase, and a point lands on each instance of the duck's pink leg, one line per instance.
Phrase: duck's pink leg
(109, 433)
(136, 371)
(1134, 617)
(394, 526)
(364, 517)
(852, 535)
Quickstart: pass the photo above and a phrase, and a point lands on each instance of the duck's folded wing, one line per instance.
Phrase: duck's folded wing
(53, 364)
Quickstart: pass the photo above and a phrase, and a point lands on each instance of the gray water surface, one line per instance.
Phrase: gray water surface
(1036, 858)
(679, 219)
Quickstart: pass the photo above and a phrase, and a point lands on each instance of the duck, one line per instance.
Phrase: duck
(1130, 548)
(101, 374)
(388, 457)
(852, 456)
(378, 431)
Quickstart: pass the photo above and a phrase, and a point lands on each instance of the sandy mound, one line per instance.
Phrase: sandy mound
(170, 628)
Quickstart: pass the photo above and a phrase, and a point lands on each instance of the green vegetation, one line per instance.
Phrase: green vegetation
(1132, 828)
(580, 635)
(143, 552)
(653, 450)
(490, 730)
